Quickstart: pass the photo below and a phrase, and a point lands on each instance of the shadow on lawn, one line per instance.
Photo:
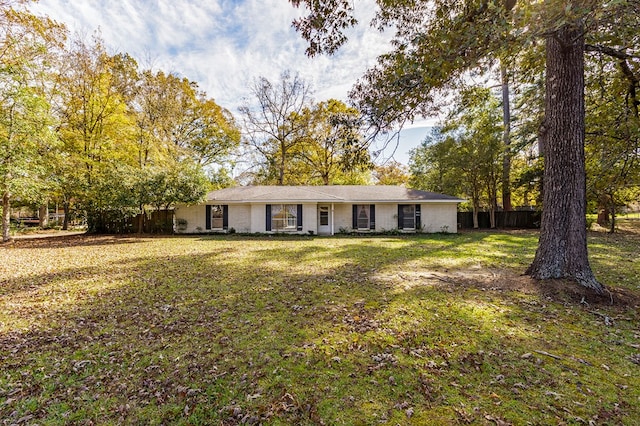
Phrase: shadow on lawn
(285, 333)
(75, 240)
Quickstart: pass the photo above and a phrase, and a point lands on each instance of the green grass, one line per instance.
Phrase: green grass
(435, 329)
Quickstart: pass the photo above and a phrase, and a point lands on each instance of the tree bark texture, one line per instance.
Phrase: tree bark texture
(65, 222)
(475, 216)
(562, 248)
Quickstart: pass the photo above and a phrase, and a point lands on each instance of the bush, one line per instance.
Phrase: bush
(181, 224)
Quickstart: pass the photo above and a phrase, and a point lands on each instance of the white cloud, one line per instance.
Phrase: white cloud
(220, 44)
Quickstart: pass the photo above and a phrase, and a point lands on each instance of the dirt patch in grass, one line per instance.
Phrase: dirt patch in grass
(556, 290)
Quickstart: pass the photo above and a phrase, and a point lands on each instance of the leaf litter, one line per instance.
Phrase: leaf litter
(304, 331)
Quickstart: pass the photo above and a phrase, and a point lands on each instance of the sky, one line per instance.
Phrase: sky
(223, 45)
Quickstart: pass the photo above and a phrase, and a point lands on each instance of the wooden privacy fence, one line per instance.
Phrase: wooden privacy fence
(154, 222)
(526, 219)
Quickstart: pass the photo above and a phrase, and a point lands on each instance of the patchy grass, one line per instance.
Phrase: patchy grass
(244, 330)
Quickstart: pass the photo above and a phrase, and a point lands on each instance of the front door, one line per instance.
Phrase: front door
(324, 220)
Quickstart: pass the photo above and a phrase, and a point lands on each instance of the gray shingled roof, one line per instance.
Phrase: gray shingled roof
(326, 194)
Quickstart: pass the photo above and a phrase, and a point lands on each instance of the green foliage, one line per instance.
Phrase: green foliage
(133, 139)
(613, 132)
(123, 139)
(429, 165)
(27, 44)
(220, 178)
(297, 142)
(332, 148)
(464, 158)
(176, 119)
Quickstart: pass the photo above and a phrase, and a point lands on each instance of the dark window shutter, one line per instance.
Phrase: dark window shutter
(208, 217)
(400, 216)
(354, 222)
(372, 216)
(418, 216)
(225, 217)
(299, 218)
(268, 222)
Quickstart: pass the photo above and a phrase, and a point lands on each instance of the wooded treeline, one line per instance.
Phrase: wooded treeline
(97, 133)
(93, 131)
(489, 148)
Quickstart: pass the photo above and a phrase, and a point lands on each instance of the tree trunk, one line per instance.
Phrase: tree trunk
(475, 216)
(65, 221)
(141, 220)
(492, 190)
(43, 216)
(506, 139)
(6, 216)
(612, 229)
(562, 248)
(492, 218)
(283, 162)
(603, 216)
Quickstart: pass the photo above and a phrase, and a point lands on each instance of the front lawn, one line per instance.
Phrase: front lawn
(435, 329)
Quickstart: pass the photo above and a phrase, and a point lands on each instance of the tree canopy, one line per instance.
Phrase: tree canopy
(96, 133)
(27, 44)
(297, 141)
(437, 44)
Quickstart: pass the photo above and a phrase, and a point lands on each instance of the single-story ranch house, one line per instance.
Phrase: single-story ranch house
(321, 210)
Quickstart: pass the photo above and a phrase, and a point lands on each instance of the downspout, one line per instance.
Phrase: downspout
(331, 220)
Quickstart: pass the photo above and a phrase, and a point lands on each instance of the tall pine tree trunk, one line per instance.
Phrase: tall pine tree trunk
(506, 139)
(562, 249)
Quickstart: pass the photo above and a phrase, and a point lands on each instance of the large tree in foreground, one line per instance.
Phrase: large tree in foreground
(562, 250)
(438, 41)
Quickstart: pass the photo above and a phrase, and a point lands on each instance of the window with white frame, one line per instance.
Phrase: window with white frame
(284, 217)
(324, 216)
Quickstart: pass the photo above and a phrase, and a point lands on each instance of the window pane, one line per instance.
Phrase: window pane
(363, 217)
(283, 217)
(409, 216)
(292, 212)
(216, 217)
(324, 216)
(278, 216)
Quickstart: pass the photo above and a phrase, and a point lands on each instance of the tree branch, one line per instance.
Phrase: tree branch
(609, 51)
